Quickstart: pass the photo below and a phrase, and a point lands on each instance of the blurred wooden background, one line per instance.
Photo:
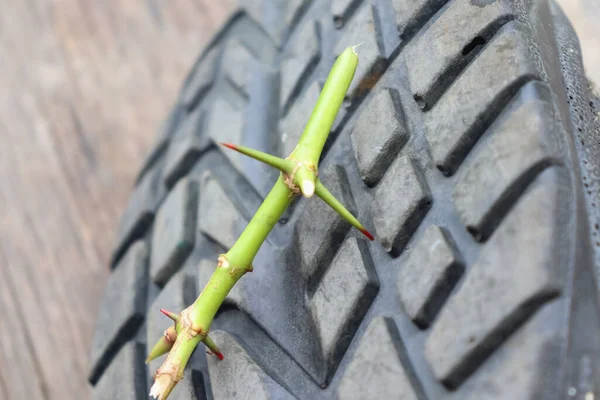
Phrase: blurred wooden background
(83, 88)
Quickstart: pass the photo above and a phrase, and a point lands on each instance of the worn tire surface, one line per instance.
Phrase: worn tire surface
(469, 144)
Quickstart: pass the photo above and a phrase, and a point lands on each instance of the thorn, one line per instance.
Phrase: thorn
(356, 47)
(334, 203)
(164, 344)
(275, 162)
(218, 354)
(230, 146)
(213, 347)
(173, 316)
(367, 234)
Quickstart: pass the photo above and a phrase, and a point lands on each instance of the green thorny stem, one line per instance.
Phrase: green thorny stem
(298, 175)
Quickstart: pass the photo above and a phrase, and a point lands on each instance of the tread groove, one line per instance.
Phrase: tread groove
(507, 327)
(509, 197)
(241, 193)
(476, 42)
(473, 134)
(339, 21)
(306, 74)
(242, 326)
(405, 360)
(124, 335)
(466, 58)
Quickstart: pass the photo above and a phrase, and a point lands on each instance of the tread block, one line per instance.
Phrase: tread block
(374, 50)
(122, 309)
(125, 378)
(519, 148)
(238, 376)
(294, 123)
(186, 146)
(161, 142)
(201, 79)
(320, 230)
(293, 10)
(342, 299)
(411, 14)
(304, 55)
(139, 214)
(473, 101)
(517, 270)
(432, 268)
(226, 124)
(377, 363)
(172, 298)
(236, 64)
(396, 217)
(276, 17)
(530, 351)
(274, 299)
(435, 59)
(378, 135)
(218, 218)
(174, 227)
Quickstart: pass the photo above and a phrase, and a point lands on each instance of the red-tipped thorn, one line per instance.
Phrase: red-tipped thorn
(229, 145)
(367, 234)
(216, 353)
(169, 314)
(212, 348)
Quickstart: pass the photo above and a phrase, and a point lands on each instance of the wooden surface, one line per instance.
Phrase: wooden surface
(83, 88)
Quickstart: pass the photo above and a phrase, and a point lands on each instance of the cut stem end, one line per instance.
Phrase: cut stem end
(308, 188)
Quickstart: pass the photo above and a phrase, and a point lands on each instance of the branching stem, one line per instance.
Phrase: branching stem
(299, 175)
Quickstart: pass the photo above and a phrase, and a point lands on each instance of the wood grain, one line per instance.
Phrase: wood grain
(84, 86)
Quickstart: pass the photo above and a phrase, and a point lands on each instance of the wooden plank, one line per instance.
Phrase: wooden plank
(20, 376)
(85, 86)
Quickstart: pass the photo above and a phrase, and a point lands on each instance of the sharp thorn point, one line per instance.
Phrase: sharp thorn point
(367, 234)
(229, 145)
(169, 314)
(212, 348)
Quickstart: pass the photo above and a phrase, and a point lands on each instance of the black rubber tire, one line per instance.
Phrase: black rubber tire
(470, 146)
